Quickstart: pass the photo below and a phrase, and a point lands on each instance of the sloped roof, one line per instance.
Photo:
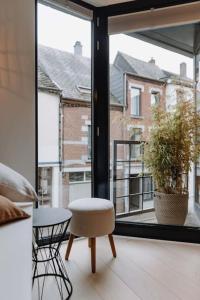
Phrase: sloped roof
(129, 64)
(71, 74)
(44, 82)
(117, 83)
(141, 68)
(67, 71)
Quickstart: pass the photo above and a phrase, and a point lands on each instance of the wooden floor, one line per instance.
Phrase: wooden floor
(143, 269)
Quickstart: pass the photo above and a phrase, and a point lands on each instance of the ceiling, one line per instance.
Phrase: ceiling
(178, 38)
(104, 2)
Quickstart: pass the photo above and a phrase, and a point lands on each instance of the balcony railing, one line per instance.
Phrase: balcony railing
(132, 184)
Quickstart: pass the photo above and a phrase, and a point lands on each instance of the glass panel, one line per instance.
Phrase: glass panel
(89, 143)
(136, 148)
(135, 101)
(88, 176)
(120, 206)
(45, 184)
(76, 176)
(155, 98)
(137, 83)
(64, 107)
(135, 189)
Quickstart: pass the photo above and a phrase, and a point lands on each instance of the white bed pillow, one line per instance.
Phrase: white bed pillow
(14, 186)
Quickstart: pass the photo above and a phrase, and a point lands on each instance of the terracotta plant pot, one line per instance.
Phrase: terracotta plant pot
(171, 209)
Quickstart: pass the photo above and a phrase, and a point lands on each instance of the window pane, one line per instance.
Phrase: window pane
(155, 98)
(45, 184)
(64, 107)
(136, 149)
(77, 176)
(139, 79)
(88, 176)
(135, 101)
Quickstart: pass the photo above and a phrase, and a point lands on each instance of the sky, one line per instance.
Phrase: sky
(60, 30)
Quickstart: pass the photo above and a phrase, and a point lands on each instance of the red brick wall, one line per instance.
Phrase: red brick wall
(73, 124)
(120, 119)
(146, 109)
(116, 129)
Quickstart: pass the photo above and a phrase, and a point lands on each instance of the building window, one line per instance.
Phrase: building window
(79, 176)
(76, 176)
(136, 149)
(88, 176)
(84, 89)
(148, 187)
(45, 184)
(135, 101)
(155, 97)
(89, 142)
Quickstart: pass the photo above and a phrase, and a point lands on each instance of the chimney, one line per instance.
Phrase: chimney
(183, 70)
(78, 48)
(152, 61)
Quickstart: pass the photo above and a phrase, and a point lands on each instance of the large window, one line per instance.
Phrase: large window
(135, 101)
(138, 82)
(64, 107)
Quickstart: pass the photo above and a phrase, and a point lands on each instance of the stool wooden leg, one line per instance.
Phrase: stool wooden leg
(112, 244)
(69, 246)
(93, 254)
(89, 242)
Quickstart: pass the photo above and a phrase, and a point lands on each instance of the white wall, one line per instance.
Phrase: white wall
(171, 94)
(16, 258)
(17, 86)
(48, 127)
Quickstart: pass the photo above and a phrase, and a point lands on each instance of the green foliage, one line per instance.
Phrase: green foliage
(172, 148)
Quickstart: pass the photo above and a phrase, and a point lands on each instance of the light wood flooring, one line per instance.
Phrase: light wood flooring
(144, 269)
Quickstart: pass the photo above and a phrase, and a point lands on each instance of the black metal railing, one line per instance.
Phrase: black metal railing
(132, 184)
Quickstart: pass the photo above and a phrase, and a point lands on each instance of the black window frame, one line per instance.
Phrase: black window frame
(100, 115)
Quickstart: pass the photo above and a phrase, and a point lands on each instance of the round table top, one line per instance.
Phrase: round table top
(46, 216)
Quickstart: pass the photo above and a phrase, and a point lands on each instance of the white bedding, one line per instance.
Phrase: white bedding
(16, 258)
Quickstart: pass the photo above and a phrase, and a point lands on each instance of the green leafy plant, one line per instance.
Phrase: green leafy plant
(172, 146)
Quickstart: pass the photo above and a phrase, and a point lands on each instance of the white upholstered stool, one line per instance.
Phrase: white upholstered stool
(91, 217)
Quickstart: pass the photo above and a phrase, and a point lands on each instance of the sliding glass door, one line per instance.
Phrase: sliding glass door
(148, 69)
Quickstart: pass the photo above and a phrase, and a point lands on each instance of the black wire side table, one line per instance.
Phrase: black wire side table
(49, 229)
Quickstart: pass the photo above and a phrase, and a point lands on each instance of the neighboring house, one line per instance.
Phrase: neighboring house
(134, 87)
(48, 139)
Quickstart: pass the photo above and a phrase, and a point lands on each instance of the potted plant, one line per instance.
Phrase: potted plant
(168, 156)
